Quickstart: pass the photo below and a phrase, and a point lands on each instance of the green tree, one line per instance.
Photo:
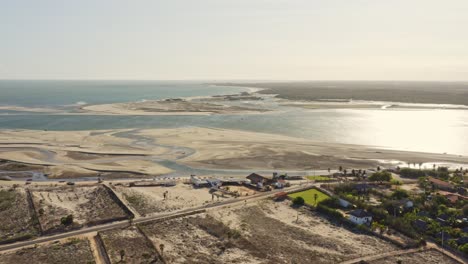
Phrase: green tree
(399, 194)
(161, 247)
(298, 201)
(67, 220)
(464, 248)
(381, 176)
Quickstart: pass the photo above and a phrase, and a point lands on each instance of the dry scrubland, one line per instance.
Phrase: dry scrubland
(264, 233)
(70, 252)
(148, 200)
(88, 205)
(15, 216)
(424, 257)
(136, 248)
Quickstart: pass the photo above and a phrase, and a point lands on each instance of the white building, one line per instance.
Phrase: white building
(360, 217)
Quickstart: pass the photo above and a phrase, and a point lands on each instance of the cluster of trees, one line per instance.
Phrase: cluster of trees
(381, 176)
(440, 172)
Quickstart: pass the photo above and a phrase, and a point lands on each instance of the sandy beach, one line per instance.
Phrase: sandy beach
(171, 107)
(90, 153)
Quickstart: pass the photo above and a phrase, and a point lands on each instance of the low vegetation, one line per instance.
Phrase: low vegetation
(69, 252)
(311, 196)
(128, 246)
(65, 208)
(17, 221)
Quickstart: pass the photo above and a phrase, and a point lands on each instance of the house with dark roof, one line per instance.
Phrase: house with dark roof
(362, 187)
(462, 241)
(260, 180)
(360, 217)
(420, 224)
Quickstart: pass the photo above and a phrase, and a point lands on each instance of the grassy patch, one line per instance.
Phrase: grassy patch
(319, 178)
(309, 196)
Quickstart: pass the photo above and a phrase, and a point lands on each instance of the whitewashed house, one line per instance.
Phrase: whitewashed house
(360, 217)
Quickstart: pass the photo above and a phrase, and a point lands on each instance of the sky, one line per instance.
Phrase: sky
(234, 39)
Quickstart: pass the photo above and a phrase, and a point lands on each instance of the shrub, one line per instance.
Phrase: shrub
(298, 201)
(464, 248)
(381, 176)
(400, 194)
(329, 211)
(67, 220)
(412, 173)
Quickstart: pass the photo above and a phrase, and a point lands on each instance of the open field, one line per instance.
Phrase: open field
(408, 92)
(309, 196)
(131, 242)
(149, 200)
(88, 206)
(430, 256)
(201, 240)
(263, 232)
(16, 218)
(68, 252)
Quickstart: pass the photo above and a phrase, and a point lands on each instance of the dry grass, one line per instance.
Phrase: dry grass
(70, 252)
(136, 248)
(88, 205)
(201, 240)
(16, 219)
(424, 257)
(149, 200)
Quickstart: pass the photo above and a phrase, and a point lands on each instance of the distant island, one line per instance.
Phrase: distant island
(389, 91)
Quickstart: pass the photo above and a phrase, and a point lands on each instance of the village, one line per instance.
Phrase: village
(378, 215)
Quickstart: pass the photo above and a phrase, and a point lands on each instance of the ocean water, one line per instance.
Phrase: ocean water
(65, 93)
(428, 130)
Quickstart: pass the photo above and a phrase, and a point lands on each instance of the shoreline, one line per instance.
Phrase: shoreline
(206, 150)
(439, 93)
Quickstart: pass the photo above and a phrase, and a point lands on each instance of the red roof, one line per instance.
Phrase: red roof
(281, 194)
(440, 182)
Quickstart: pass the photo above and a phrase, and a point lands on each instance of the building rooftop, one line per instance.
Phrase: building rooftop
(440, 182)
(360, 213)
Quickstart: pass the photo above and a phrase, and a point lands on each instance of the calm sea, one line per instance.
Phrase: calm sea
(438, 131)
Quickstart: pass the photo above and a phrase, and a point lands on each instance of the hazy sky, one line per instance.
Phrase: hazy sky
(234, 39)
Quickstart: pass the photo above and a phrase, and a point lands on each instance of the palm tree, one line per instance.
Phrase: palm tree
(161, 247)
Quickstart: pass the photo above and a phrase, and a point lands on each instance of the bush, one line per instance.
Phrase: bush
(331, 202)
(298, 201)
(463, 248)
(412, 173)
(399, 194)
(381, 176)
(329, 211)
(67, 220)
